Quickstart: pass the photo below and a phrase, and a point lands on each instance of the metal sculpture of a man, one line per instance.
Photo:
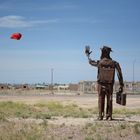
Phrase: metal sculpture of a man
(105, 79)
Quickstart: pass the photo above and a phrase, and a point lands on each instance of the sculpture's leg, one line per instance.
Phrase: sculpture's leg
(109, 106)
(101, 102)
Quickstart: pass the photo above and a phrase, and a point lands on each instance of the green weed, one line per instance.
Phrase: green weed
(45, 110)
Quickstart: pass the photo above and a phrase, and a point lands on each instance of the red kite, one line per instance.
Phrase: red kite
(16, 36)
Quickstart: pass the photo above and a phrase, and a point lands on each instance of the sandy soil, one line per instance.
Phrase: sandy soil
(133, 101)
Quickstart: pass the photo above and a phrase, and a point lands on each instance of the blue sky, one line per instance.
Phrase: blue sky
(55, 33)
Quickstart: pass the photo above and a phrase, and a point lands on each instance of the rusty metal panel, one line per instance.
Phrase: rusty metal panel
(106, 75)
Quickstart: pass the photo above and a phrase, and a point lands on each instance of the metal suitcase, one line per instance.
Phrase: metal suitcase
(121, 98)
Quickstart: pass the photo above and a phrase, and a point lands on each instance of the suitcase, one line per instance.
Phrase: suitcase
(121, 98)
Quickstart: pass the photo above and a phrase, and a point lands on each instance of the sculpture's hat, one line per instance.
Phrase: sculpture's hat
(106, 49)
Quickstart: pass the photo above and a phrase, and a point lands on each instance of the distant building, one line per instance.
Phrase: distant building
(25, 86)
(41, 86)
(21, 86)
(137, 86)
(83, 87)
(129, 87)
(63, 87)
(91, 87)
(73, 87)
(4, 86)
(87, 87)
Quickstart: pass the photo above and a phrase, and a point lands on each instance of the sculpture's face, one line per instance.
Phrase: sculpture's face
(105, 52)
(106, 49)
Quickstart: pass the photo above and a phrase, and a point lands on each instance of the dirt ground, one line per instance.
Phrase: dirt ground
(72, 128)
(87, 100)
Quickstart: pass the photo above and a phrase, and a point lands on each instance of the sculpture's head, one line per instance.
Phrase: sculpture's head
(106, 52)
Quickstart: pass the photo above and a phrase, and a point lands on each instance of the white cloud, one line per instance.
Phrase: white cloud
(13, 21)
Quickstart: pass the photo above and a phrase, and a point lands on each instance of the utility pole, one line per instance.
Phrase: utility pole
(133, 86)
(52, 81)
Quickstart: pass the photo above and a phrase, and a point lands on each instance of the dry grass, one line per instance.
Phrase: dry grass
(20, 121)
(22, 130)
